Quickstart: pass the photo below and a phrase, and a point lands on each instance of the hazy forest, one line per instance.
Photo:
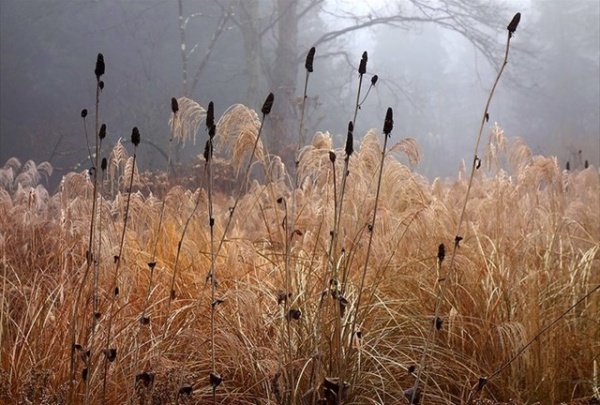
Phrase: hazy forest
(300, 202)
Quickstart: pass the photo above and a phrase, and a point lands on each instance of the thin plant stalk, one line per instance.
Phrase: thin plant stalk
(444, 283)
(387, 130)
(98, 71)
(135, 140)
(95, 298)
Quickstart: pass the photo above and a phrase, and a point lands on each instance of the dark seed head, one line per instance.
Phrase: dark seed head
(174, 105)
(413, 396)
(215, 379)
(186, 389)
(411, 368)
(111, 354)
(146, 378)
(362, 67)
(104, 164)
(332, 156)
(83, 113)
(514, 23)
(210, 115)
(266, 108)
(481, 383)
(282, 296)
(310, 59)
(101, 85)
(438, 323)
(145, 320)
(568, 166)
(84, 374)
(102, 133)
(350, 140)
(388, 124)
(212, 131)
(99, 71)
(293, 314)
(135, 136)
(441, 253)
(374, 80)
(586, 164)
(151, 265)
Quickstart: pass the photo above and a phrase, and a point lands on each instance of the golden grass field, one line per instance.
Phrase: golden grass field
(530, 250)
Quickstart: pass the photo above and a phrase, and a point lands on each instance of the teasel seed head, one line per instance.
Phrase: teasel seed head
(310, 58)
(266, 108)
(362, 67)
(215, 380)
(350, 140)
(388, 124)
(102, 133)
(174, 105)
(210, 115)
(441, 253)
(104, 164)
(374, 80)
(99, 71)
(514, 23)
(83, 113)
(135, 136)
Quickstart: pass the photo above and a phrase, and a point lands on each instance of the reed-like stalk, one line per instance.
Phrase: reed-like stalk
(511, 28)
(388, 126)
(100, 134)
(110, 353)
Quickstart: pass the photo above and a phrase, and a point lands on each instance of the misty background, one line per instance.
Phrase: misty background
(436, 61)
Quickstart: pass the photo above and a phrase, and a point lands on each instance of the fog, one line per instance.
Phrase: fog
(436, 62)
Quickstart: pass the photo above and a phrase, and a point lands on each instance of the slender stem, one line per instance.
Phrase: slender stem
(444, 283)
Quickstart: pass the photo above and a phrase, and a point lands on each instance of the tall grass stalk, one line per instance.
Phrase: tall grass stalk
(144, 318)
(95, 296)
(100, 134)
(511, 28)
(111, 353)
(388, 126)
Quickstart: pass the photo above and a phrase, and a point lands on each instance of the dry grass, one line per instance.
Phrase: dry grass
(531, 248)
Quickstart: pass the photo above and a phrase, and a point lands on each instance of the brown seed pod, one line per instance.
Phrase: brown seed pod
(362, 67)
(110, 354)
(102, 132)
(215, 379)
(514, 23)
(135, 136)
(332, 156)
(104, 164)
(374, 80)
(266, 108)
(210, 115)
(310, 59)
(388, 124)
(293, 314)
(174, 105)
(441, 253)
(83, 113)
(99, 71)
(186, 389)
(350, 140)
